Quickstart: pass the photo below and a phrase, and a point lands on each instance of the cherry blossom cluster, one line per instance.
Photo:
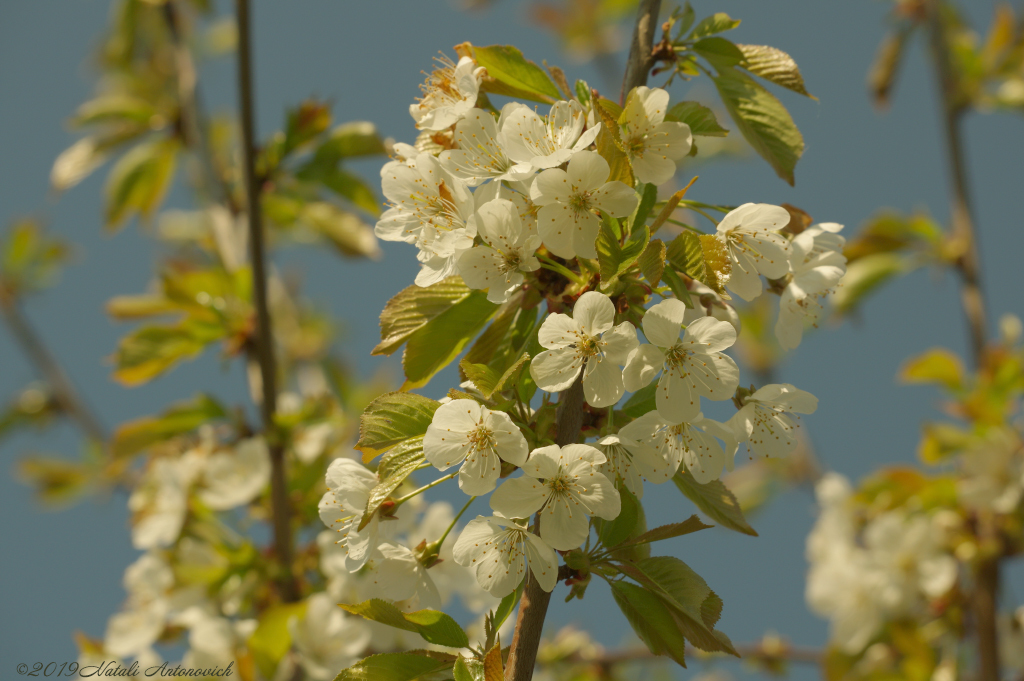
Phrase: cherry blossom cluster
(489, 196)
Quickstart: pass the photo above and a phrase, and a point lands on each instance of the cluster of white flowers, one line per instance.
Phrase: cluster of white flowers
(862, 577)
(487, 195)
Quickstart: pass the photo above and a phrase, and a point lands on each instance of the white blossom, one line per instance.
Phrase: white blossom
(564, 483)
(763, 422)
(568, 198)
(652, 144)
(160, 503)
(236, 477)
(545, 143)
(449, 93)
(630, 461)
(586, 342)
(478, 155)
(709, 304)
(508, 251)
(463, 431)
(691, 363)
(136, 629)
(327, 639)
(499, 551)
(341, 509)
(693, 443)
(394, 573)
(431, 209)
(817, 264)
(751, 236)
(309, 442)
(992, 472)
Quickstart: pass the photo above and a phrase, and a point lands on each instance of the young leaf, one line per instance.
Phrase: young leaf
(344, 230)
(677, 286)
(762, 120)
(395, 466)
(149, 351)
(648, 197)
(408, 666)
(652, 261)
(614, 533)
(719, 51)
(184, 417)
(434, 626)
(642, 401)
(716, 23)
(468, 669)
(701, 119)
(609, 145)
(272, 638)
(715, 500)
(393, 418)
(138, 181)
(703, 257)
(413, 308)
(614, 259)
(937, 365)
(494, 670)
(684, 591)
(651, 620)
(773, 65)
(688, 526)
(433, 346)
(507, 605)
(510, 73)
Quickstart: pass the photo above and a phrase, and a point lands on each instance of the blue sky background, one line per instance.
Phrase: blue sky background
(62, 570)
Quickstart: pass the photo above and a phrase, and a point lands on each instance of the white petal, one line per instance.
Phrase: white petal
(642, 365)
(556, 370)
(663, 322)
(519, 497)
(559, 331)
(588, 170)
(676, 399)
(594, 313)
(602, 382)
(615, 198)
(619, 342)
(710, 334)
(564, 524)
(476, 533)
(543, 562)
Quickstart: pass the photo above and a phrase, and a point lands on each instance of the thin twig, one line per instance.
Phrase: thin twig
(985, 597)
(46, 364)
(264, 340)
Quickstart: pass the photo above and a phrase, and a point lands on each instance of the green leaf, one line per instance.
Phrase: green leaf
(615, 532)
(272, 638)
(488, 381)
(344, 230)
(350, 140)
(434, 626)
(395, 466)
(507, 605)
(30, 259)
(684, 591)
(762, 120)
(468, 669)
(703, 257)
(138, 181)
(493, 667)
(642, 401)
(651, 620)
(677, 286)
(352, 187)
(391, 419)
(648, 197)
(149, 351)
(715, 500)
(413, 308)
(716, 23)
(937, 365)
(688, 526)
(865, 275)
(773, 65)
(719, 51)
(56, 482)
(652, 261)
(514, 75)
(613, 258)
(118, 108)
(433, 346)
(407, 666)
(183, 417)
(700, 118)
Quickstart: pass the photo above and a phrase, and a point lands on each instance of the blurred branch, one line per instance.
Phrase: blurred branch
(32, 345)
(985, 597)
(264, 340)
(641, 52)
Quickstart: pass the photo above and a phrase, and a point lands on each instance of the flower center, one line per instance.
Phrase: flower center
(677, 355)
(636, 145)
(482, 438)
(579, 202)
(511, 261)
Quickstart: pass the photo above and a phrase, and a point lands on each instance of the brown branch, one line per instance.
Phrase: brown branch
(985, 597)
(264, 340)
(46, 364)
(533, 606)
(641, 52)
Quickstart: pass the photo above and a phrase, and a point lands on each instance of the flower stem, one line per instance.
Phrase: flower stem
(549, 264)
(440, 542)
(264, 340)
(421, 490)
